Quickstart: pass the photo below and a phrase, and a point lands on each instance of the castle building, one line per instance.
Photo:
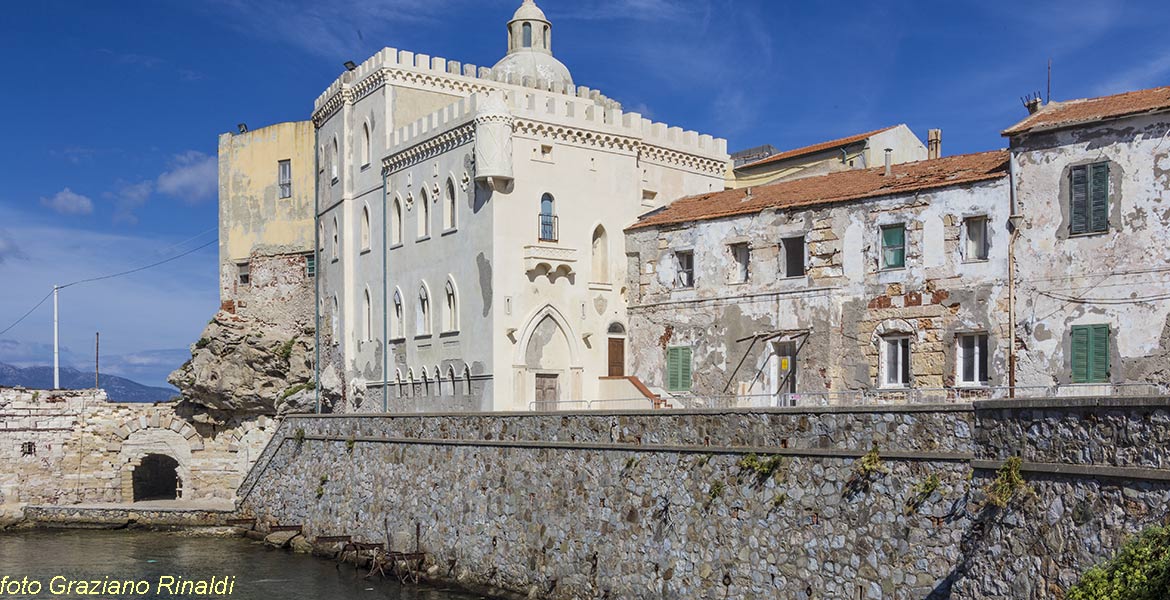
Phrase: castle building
(469, 227)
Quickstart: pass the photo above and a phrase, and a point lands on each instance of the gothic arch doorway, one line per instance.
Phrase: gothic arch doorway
(157, 478)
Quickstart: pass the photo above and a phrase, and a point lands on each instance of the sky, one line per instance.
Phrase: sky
(114, 108)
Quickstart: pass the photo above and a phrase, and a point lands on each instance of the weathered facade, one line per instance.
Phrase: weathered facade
(826, 287)
(1092, 188)
(470, 227)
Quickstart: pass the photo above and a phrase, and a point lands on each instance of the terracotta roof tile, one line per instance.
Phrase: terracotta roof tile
(1075, 112)
(813, 149)
(834, 187)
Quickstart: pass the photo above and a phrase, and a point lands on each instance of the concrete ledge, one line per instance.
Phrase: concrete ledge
(1077, 402)
(908, 455)
(799, 410)
(1094, 471)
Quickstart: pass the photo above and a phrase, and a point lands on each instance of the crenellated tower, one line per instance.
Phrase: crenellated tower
(530, 47)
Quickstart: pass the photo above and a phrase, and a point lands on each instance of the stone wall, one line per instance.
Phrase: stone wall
(70, 447)
(670, 504)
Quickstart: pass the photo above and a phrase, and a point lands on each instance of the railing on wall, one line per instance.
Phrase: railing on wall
(548, 228)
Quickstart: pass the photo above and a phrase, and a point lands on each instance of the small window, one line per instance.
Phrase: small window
(310, 265)
(396, 223)
(451, 315)
(365, 228)
(894, 246)
(336, 156)
(367, 317)
(396, 325)
(793, 256)
(422, 324)
(335, 322)
(976, 245)
(28, 449)
(424, 216)
(896, 361)
(685, 259)
(548, 219)
(245, 272)
(1089, 199)
(336, 241)
(284, 176)
(972, 359)
(1090, 354)
(742, 254)
(365, 144)
(450, 206)
(526, 35)
(678, 369)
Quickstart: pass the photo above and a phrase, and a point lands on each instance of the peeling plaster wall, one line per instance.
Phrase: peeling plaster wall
(844, 301)
(1121, 276)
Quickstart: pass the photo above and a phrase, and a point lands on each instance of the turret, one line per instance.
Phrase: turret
(493, 141)
(530, 47)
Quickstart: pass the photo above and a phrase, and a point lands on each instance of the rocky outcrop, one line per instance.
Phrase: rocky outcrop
(242, 365)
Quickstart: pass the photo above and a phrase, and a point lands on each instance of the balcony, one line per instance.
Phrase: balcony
(548, 228)
(549, 258)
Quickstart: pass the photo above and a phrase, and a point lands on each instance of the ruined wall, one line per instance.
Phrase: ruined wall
(669, 504)
(838, 310)
(1118, 277)
(69, 447)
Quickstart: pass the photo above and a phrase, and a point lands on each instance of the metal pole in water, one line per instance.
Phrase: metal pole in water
(56, 343)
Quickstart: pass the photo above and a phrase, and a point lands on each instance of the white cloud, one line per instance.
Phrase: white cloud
(8, 247)
(67, 202)
(128, 197)
(192, 178)
(1148, 74)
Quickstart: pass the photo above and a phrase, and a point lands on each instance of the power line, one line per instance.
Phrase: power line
(30, 311)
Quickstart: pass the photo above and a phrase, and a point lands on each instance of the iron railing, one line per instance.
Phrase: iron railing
(548, 228)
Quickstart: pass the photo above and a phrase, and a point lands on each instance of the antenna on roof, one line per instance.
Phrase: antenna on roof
(1031, 102)
(1048, 97)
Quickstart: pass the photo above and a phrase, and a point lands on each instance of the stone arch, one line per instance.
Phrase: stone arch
(547, 312)
(600, 255)
(156, 478)
(158, 442)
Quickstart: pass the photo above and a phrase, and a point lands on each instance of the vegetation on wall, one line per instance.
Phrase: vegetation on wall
(1007, 483)
(1139, 571)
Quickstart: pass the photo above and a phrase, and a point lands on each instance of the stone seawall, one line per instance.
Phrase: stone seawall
(674, 504)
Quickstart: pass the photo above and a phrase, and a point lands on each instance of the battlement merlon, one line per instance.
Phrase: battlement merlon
(402, 66)
(550, 110)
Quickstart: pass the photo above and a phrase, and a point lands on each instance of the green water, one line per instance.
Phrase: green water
(259, 573)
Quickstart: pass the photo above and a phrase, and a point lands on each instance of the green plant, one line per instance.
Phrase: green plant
(703, 460)
(299, 436)
(717, 489)
(202, 343)
(285, 350)
(349, 444)
(631, 462)
(296, 389)
(1139, 571)
(779, 499)
(870, 464)
(761, 468)
(36, 396)
(921, 492)
(1007, 483)
(321, 487)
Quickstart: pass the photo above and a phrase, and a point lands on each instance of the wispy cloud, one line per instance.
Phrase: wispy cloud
(68, 202)
(129, 197)
(1151, 73)
(608, 10)
(8, 247)
(193, 177)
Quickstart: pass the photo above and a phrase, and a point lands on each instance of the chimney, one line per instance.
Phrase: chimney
(889, 161)
(933, 144)
(1033, 105)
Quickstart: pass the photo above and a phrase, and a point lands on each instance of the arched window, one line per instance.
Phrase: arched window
(449, 207)
(333, 159)
(321, 237)
(336, 246)
(467, 379)
(600, 255)
(547, 45)
(396, 222)
(365, 144)
(548, 219)
(410, 381)
(422, 324)
(365, 228)
(426, 383)
(335, 322)
(424, 216)
(398, 382)
(527, 35)
(454, 382)
(367, 318)
(396, 329)
(616, 329)
(438, 381)
(451, 312)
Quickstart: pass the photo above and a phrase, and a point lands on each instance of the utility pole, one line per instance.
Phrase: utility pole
(56, 342)
(97, 356)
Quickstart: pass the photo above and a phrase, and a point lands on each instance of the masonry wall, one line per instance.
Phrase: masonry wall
(662, 505)
(85, 448)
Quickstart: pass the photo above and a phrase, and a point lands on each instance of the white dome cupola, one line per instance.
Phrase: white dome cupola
(530, 47)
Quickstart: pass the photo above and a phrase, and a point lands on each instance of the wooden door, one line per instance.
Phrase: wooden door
(617, 357)
(546, 391)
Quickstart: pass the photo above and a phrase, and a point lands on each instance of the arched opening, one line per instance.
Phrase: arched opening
(336, 240)
(527, 35)
(424, 216)
(451, 312)
(547, 41)
(396, 325)
(548, 218)
(157, 478)
(396, 223)
(548, 357)
(367, 318)
(334, 159)
(365, 144)
(617, 350)
(449, 213)
(422, 324)
(365, 228)
(600, 255)
(334, 322)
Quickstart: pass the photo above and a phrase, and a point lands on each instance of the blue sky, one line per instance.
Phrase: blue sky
(113, 109)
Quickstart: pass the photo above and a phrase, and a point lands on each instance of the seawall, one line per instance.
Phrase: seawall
(675, 505)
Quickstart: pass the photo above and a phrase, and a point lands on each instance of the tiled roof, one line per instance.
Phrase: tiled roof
(813, 149)
(834, 187)
(1076, 112)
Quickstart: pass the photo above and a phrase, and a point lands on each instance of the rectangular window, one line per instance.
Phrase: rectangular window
(1090, 354)
(894, 246)
(896, 361)
(793, 252)
(284, 171)
(1089, 198)
(245, 273)
(742, 255)
(686, 269)
(678, 369)
(310, 265)
(972, 359)
(28, 449)
(976, 246)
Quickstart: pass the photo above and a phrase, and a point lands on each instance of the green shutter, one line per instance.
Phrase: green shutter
(1099, 197)
(1080, 354)
(1079, 200)
(671, 368)
(678, 369)
(685, 369)
(1099, 354)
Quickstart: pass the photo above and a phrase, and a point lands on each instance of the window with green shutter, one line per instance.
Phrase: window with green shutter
(1089, 198)
(1090, 354)
(894, 246)
(678, 369)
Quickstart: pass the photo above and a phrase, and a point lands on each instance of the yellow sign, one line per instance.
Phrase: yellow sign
(784, 366)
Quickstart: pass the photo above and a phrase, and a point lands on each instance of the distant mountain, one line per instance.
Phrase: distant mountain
(119, 389)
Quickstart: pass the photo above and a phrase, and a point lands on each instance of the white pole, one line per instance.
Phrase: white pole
(56, 344)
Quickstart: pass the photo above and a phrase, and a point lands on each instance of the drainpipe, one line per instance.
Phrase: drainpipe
(1014, 222)
(316, 271)
(385, 301)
